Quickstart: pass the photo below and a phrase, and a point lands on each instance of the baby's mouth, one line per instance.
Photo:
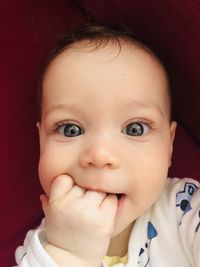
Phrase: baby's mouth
(119, 196)
(121, 199)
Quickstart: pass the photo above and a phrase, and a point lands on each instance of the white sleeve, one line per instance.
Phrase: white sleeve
(188, 209)
(32, 253)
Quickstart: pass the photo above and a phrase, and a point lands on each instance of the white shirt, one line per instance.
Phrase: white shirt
(167, 235)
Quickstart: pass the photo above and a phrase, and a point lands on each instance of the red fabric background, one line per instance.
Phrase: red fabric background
(27, 31)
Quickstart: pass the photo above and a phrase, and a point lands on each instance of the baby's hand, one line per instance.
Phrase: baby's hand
(79, 221)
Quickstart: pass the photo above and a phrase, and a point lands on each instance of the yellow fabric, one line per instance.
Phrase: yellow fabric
(110, 261)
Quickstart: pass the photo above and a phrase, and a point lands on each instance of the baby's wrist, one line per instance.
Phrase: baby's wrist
(65, 258)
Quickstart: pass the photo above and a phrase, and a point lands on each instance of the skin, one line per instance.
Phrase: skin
(103, 91)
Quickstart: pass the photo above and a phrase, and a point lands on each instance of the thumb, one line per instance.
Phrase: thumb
(44, 201)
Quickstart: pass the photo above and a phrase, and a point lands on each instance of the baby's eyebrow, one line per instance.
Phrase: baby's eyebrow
(141, 105)
(132, 103)
(68, 106)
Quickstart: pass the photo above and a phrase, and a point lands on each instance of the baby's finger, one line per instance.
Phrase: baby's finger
(109, 206)
(94, 198)
(76, 192)
(60, 186)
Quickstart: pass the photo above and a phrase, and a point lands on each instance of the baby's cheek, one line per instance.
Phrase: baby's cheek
(56, 159)
(48, 168)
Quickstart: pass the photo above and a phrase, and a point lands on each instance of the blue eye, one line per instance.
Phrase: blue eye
(70, 130)
(136, 129)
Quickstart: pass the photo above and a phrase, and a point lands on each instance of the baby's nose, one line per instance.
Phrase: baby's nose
(99, 154)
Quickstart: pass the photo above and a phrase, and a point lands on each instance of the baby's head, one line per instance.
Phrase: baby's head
(106, 119)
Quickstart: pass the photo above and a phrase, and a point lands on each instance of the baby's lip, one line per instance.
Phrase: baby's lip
(118, 194)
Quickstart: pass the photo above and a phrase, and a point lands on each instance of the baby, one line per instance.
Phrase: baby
(106, 141)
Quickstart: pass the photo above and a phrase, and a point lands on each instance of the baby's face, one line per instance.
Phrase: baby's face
(105, 122)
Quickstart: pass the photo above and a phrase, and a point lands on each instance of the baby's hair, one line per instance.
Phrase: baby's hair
(96, 36)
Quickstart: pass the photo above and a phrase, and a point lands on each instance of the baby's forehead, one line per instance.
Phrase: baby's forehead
(107, 51)
(83, 51)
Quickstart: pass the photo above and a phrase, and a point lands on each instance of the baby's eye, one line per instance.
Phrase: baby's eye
(136, 129)
(70, 130)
